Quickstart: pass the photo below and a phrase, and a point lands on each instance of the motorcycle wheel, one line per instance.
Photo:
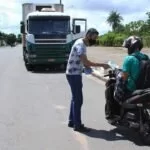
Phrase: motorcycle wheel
(145, 134)
(145, 138)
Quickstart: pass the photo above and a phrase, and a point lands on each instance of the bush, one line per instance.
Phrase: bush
(11, 39)
(118, 41)
(107, 39)
(112, 39)
(146, 41)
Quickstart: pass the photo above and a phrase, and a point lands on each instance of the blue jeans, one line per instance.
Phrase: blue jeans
(75, 82)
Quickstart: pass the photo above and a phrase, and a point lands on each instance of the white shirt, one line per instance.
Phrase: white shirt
(74, 65)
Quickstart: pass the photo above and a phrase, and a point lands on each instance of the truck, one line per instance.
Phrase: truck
(48, 34)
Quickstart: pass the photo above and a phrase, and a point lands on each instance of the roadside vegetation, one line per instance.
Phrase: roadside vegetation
(120, 31)
(114, 38)
(9, 39)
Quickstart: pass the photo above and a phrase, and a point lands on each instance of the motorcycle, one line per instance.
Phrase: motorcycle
(133, 113)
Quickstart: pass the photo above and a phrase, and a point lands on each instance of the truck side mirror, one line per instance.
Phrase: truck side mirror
(22, 27)
(77, 28)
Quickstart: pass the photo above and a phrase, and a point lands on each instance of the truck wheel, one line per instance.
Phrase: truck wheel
(145, 139)
(29, 67)
(24, 58)
(145, 134)
(65, 66)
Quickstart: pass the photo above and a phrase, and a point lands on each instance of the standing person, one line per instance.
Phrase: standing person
(78, 59)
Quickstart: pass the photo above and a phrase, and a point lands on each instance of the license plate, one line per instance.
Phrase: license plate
(51, 60)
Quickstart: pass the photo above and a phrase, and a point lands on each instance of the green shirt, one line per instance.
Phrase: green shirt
(131, 65)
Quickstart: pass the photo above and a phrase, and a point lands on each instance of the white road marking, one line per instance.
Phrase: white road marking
(82, 140)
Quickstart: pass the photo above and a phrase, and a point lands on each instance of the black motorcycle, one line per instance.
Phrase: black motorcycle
(133, 113)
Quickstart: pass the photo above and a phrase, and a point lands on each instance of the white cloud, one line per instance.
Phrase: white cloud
(95, 11)
(10, 16)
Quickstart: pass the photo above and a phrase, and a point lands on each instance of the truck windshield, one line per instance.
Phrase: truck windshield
(47, 26)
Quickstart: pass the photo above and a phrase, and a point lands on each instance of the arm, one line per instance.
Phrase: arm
(125, 75)
(126, 68)
(89, 63)
(81, 51)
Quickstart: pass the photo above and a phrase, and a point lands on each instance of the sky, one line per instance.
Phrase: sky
(95, 11)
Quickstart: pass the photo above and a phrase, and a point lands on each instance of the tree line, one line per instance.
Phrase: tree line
(115, 37)
(120, 31)
(9, 39)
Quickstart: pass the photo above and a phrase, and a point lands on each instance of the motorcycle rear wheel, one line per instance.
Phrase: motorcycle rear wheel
(145, 138)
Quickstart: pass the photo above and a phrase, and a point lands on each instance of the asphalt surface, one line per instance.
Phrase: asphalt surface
(34, 110)
(115, 54)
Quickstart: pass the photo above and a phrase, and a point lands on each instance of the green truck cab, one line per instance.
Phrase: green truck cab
(48, 34)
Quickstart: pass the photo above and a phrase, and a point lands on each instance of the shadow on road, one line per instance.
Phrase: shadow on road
(48, 70)
(116, 134)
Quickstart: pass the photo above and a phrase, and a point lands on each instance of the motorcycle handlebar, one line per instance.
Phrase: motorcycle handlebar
(106, 75)
(110, 74)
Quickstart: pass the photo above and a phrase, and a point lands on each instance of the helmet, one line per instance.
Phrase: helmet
(133, 43)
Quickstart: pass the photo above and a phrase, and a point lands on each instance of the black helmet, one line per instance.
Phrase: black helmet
(133, 43)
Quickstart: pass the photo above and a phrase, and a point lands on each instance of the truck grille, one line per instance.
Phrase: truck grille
(51, 50)
(50, 46)
(50, 41)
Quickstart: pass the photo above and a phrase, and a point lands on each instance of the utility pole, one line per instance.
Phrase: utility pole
(61, 5)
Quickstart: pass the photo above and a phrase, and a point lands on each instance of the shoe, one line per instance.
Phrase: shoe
(82, 129)
(71, 125)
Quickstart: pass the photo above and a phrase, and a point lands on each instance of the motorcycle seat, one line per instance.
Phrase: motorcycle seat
(137, 97)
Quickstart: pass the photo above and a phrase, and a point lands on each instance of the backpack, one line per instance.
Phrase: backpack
(143, 80)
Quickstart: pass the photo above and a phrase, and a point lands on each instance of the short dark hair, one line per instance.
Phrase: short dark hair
(92, 31)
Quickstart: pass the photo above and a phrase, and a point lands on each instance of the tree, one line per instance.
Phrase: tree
(146, 27)
(135, 27)
(19, 38)
(148, 20)
(114, 19)
(1, 36)
(120, 28)
(11, 39)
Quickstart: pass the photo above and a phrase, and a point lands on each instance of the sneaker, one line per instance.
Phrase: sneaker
(70, 124)
(81, 129)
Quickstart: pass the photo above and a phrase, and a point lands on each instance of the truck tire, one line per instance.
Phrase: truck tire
(65, 66)
(24, 59)
(29, 67)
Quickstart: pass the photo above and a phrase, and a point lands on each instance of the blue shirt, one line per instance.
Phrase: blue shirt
(131, 65)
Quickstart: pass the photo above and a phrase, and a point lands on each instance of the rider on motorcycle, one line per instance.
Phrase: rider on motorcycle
(131, 65)
(126, 78)
(129, 88)
(126, 81)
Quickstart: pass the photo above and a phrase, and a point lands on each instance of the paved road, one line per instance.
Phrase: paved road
(115, 54)
(34, 110)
